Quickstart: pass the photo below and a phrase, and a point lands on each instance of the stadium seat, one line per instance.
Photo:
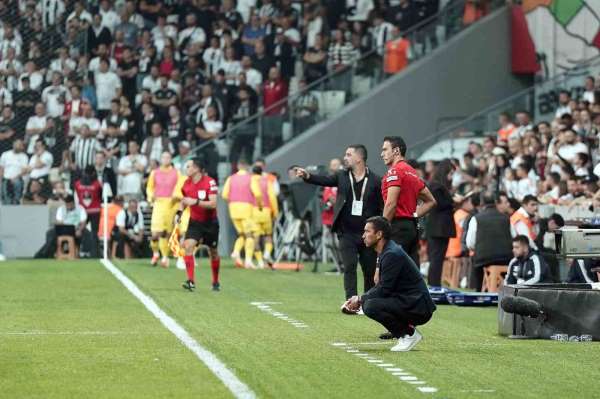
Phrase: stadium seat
(454, 268)
(333, 101)
(493, 278)
(71, 252)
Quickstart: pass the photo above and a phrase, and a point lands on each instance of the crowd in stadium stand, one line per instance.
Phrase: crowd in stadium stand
(110, 85)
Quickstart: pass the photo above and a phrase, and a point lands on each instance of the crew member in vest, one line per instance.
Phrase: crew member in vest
(527, 267)
(163, 191)
(263, 214)
(199, 194)
(581, 271)
(401, 189)
(523, 221)
(358, 198)
(489, 236)
(130, 229)
(400, 300)
(238, 194)
(461, 216)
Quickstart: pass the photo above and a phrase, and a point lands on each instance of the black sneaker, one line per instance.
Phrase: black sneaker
(386, 335)
(216, 287)
(189, 285)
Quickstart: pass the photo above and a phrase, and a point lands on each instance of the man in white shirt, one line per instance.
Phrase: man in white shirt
(152, 81)
(525, 184)
(524, 124)
(110, 18)
(79, 14)
(35, 77)
(253, 77)
(35, 127)
(87, 118)
(130, 226)
(40, 162)
(73, 215)
(569, 147)
(102, 52)
(62, 64)
(246, 8)
(108, 87)
(564, 97)
(131, 172)
(55, 96)
(589, 94)
(13, 166)
(193, 34)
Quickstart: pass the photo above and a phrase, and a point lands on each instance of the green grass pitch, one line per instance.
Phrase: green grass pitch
(71, 330)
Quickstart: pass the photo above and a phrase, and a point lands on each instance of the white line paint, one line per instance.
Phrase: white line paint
(101, 333)
(266, 307)
(237, 387)
(397, 372)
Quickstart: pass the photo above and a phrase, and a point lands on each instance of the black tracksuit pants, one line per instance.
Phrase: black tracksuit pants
(353, 250)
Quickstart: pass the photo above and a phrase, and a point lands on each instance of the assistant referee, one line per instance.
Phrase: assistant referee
(401, 189)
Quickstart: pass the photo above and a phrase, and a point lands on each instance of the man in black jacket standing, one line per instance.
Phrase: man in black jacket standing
(358, 198)
(400, 300)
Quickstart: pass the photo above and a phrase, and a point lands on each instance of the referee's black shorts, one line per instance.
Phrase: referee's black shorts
(206, 233)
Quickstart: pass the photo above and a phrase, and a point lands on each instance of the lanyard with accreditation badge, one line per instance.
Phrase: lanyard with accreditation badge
(357, 206)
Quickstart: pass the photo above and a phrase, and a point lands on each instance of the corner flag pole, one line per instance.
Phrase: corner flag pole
(105, 221)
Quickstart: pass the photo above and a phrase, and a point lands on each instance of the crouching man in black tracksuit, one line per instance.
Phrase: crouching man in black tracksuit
(527, 267)
(400, 300)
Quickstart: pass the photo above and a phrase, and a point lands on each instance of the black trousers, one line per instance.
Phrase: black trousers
(389, 313)
(436, 252)
(404, 233)
(353, 250)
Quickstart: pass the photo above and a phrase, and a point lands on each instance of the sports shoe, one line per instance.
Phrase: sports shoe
(216, 287)
(189, 285)
(261, 264)
(237, 260)
(180, 264)
(155, 258)
(407, 342)
(164, 262)
(386, 335)
(249, 265)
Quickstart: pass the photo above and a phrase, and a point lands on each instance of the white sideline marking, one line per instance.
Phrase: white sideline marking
(266, 307)
(237, 387)
(389, 367)
(101, 333)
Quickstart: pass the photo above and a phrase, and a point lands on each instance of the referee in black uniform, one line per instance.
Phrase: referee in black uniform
(358, 198)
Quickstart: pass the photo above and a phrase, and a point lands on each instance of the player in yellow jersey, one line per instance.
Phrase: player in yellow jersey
(163, 191)
(238, 194)
(264, 213)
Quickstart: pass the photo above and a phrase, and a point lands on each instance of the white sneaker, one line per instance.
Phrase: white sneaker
(180, 264)
(407, 342)
(249, 265)
(360, 312)
(261, 264)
